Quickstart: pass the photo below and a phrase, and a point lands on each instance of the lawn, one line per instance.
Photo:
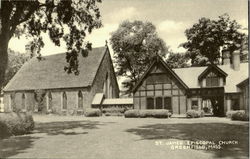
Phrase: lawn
(118, 137)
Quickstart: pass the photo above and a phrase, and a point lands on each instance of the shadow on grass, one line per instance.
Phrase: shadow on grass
(201, 132)
(18, 144)
(15, 145)
(62, 128)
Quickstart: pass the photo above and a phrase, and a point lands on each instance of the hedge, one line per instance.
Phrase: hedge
(152, 113)
(16, 124)
(194, 113)
(113, 111)
(93, 113)
(238, 115)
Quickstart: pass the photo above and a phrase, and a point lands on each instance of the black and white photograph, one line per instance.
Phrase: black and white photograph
(124, 79)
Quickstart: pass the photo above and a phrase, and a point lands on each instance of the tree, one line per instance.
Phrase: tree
(135, 44)
(208, 37)
(178, 60)
(15, 62)
(67, 20)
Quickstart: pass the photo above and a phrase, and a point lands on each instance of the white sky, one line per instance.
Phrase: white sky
(171, 18)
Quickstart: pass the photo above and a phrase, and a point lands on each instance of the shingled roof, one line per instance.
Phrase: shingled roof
(190, 76)
(50, 74)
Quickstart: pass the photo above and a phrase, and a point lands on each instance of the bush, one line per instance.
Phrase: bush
(230, 113)
(194, 113)
(17, 123)
(113, 111)
(92, 112)
(4, 130)
(153, 113)
(238, 115)
(133, 113)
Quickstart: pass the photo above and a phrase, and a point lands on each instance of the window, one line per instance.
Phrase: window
(49, 101)
(158, 102)
(64, 101)
(106, 86)
(80, 100)
(168, 103)
(12, 100)
(194, 104)
(23, 101)
(212, 80)
(150, 103)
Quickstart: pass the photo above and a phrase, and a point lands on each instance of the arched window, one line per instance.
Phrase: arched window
(106, 86)
(64, 101)
(80, 100)
(49, 101)
(110, 91)
(158, 103)
(12, 101)
(23, 101)
(150, 103)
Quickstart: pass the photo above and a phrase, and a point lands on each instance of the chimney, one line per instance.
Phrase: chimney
(236, 60)
(27, 49)
(226, 57)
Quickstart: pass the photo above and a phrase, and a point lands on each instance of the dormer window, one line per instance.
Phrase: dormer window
(212, 76)
(212, 80)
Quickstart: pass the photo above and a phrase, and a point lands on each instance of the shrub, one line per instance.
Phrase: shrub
(194, 113)
(159, 113)
(133, 113)
(17, 123)
(239, 115)
(113, 111)
(230, 113)
(92, 112)
(4, 130)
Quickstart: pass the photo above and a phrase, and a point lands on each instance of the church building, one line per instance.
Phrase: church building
(44, 86)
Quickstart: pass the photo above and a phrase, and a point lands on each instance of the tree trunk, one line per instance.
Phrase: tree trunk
(4, 41)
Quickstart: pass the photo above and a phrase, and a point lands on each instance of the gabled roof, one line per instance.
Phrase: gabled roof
(156, 60)
(190, 76)
(98, 98)
(50, 74)
(244, 82)
(212, 66)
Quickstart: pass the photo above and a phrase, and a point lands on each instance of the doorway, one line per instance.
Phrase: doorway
(213, 105)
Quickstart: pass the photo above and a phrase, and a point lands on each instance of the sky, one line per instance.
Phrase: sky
(171, 18)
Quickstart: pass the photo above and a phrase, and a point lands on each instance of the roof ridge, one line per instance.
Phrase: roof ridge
(66, 51)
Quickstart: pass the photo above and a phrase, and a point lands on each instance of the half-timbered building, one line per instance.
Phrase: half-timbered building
(213, 88)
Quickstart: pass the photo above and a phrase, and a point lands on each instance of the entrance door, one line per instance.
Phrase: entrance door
(217, 105)
(168, 103)
(150, 103)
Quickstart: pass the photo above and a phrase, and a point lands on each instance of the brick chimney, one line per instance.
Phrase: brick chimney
(226, 57)
(236, 60)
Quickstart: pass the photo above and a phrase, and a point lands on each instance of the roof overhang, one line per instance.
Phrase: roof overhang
(212, 66)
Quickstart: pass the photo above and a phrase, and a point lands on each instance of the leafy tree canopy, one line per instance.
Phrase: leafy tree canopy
(208, 37)
(135, 44)
(67, 20)
(16, 61)
(178, 60)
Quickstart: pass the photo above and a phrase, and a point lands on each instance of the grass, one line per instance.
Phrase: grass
(119, 137)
